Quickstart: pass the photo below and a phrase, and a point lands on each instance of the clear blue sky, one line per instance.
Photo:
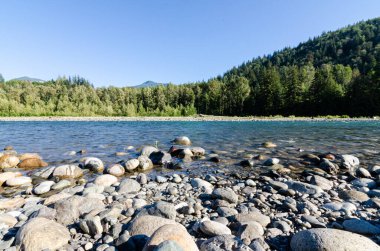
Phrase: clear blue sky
(124, 42)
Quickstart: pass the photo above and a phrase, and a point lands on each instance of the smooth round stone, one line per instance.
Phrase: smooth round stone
(105, 180)
(145, 163)
(116, 170)
(18, 181)
(43, 187)
(353, 195)
(147, 150)
(8, 220)
(205, 186)
(253, 216)
(175, 235)
(251, 231)
(61, 184)
(94, 164)
(40, 234)
(226, 194)
(132, 164)
(269, 144)
(271, 162)
(161, 179)
(67, 171)
(8, 161)
(213, 228)
(183, 140)
(331, 239)
(12, 203)
(364, 182)
(8, 175)
(32, 163)
(360, 227)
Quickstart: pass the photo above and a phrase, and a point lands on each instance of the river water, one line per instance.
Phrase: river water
(231, 139)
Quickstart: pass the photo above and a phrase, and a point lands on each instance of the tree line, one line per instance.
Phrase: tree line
(337, 73)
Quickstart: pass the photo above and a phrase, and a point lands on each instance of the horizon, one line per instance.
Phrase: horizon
(181, 43)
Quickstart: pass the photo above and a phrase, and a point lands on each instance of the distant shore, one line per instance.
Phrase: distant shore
(190, 118)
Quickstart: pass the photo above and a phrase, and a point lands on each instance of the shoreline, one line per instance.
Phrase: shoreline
(179, 119)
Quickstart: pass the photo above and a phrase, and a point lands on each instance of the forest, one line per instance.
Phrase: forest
(337, 73)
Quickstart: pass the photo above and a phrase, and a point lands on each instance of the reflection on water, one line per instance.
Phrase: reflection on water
(102, 139)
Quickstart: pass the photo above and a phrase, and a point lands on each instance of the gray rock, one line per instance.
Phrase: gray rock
(227, 211)
(224, 243)
(131, 164)
(213, 228)
(171, 233)
(313, 221)
(364, 182)
(353, 195)
(91, 225)
(331, 240)
(323, 183)
(163, 209)
(43, 187)
(148, 224)
(142, 178)
(329, 167)
(271, 162)
(45, 212)
(160, 158)
(148, 150)
(68, 171)
(94, 164)
(226, 194)
(304, 187)
(278, 185)
(183, 140)
(168, 246)
(70, 209)
(360, 227)
(129, 186)
(202, 184)
(40, 233)
(349, 162)
(145, 163)
(250, 231)
(253, 216)
(61, 184)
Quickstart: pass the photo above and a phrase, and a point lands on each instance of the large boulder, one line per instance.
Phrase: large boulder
(70, 209)
(328, 239)
(68, 171)
(40, 234)
(170, 232)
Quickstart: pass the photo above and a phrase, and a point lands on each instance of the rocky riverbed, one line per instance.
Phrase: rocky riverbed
(187, 198)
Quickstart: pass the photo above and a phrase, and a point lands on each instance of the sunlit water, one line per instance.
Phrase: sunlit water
(232, 140)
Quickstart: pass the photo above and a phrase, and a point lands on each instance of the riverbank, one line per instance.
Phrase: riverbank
(190, 118)
(326, 200)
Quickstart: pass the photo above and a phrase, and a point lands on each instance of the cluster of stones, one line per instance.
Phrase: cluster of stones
(332, 206)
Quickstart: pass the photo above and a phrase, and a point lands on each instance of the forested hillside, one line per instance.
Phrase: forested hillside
(337, 73)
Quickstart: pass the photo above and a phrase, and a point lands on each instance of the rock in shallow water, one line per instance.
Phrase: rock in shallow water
(94, 164)
(331, 240)
(67, 171)
(116, 170)
(40, 233)
(183, 140)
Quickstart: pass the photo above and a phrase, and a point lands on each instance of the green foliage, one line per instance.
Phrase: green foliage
(337, 73)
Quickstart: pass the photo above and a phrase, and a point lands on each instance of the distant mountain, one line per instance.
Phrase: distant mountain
(28, 79)
(148, 84)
